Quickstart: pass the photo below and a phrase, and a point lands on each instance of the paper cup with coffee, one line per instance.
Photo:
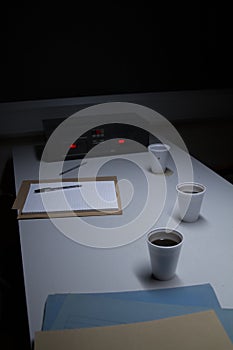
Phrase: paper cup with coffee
(164, 249)
(158, 153)
(190, 198)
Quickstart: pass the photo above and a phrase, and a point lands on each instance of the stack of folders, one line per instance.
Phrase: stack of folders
(172, 318)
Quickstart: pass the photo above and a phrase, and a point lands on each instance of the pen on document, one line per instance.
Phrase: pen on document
(75, 167)
(49, 189)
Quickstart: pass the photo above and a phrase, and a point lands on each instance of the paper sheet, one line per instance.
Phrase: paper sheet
(92, 195)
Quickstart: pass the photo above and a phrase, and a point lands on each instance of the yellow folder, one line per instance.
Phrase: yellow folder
(202, 331)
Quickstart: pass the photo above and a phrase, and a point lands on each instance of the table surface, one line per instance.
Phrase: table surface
(109, 253)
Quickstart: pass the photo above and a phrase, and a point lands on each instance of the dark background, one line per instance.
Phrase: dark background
(80, 50)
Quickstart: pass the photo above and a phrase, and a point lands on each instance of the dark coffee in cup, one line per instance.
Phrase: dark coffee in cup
(165, 238)
(191, 189)
(164, 242)
(191, 192)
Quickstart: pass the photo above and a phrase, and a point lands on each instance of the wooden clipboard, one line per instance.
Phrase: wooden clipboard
(25, 186)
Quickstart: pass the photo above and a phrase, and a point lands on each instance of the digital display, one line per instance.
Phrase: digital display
(98, 132)
(121, 141)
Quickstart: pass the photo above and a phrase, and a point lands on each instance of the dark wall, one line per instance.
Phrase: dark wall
(79, 50)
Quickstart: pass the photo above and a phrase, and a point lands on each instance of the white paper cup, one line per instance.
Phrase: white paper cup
(190, 197)
(164, 249)
(158, 153)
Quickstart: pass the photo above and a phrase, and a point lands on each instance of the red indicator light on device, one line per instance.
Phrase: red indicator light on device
(121, 141)
(73, 146)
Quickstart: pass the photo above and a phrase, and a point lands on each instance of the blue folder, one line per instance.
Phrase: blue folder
(66, 311)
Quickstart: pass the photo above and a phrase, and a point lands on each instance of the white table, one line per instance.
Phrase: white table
(53, 263)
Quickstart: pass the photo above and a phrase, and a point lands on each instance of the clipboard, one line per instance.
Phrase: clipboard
(25, 188)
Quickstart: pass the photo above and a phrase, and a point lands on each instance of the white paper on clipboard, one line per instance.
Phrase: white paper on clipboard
(92, 195)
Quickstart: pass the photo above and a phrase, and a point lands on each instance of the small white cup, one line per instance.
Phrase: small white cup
(164, 248)
(158, 153)
(190, 197)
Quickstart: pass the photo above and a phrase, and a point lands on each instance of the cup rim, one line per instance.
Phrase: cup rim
(188, 183)
(163, 147)
(166, 229)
